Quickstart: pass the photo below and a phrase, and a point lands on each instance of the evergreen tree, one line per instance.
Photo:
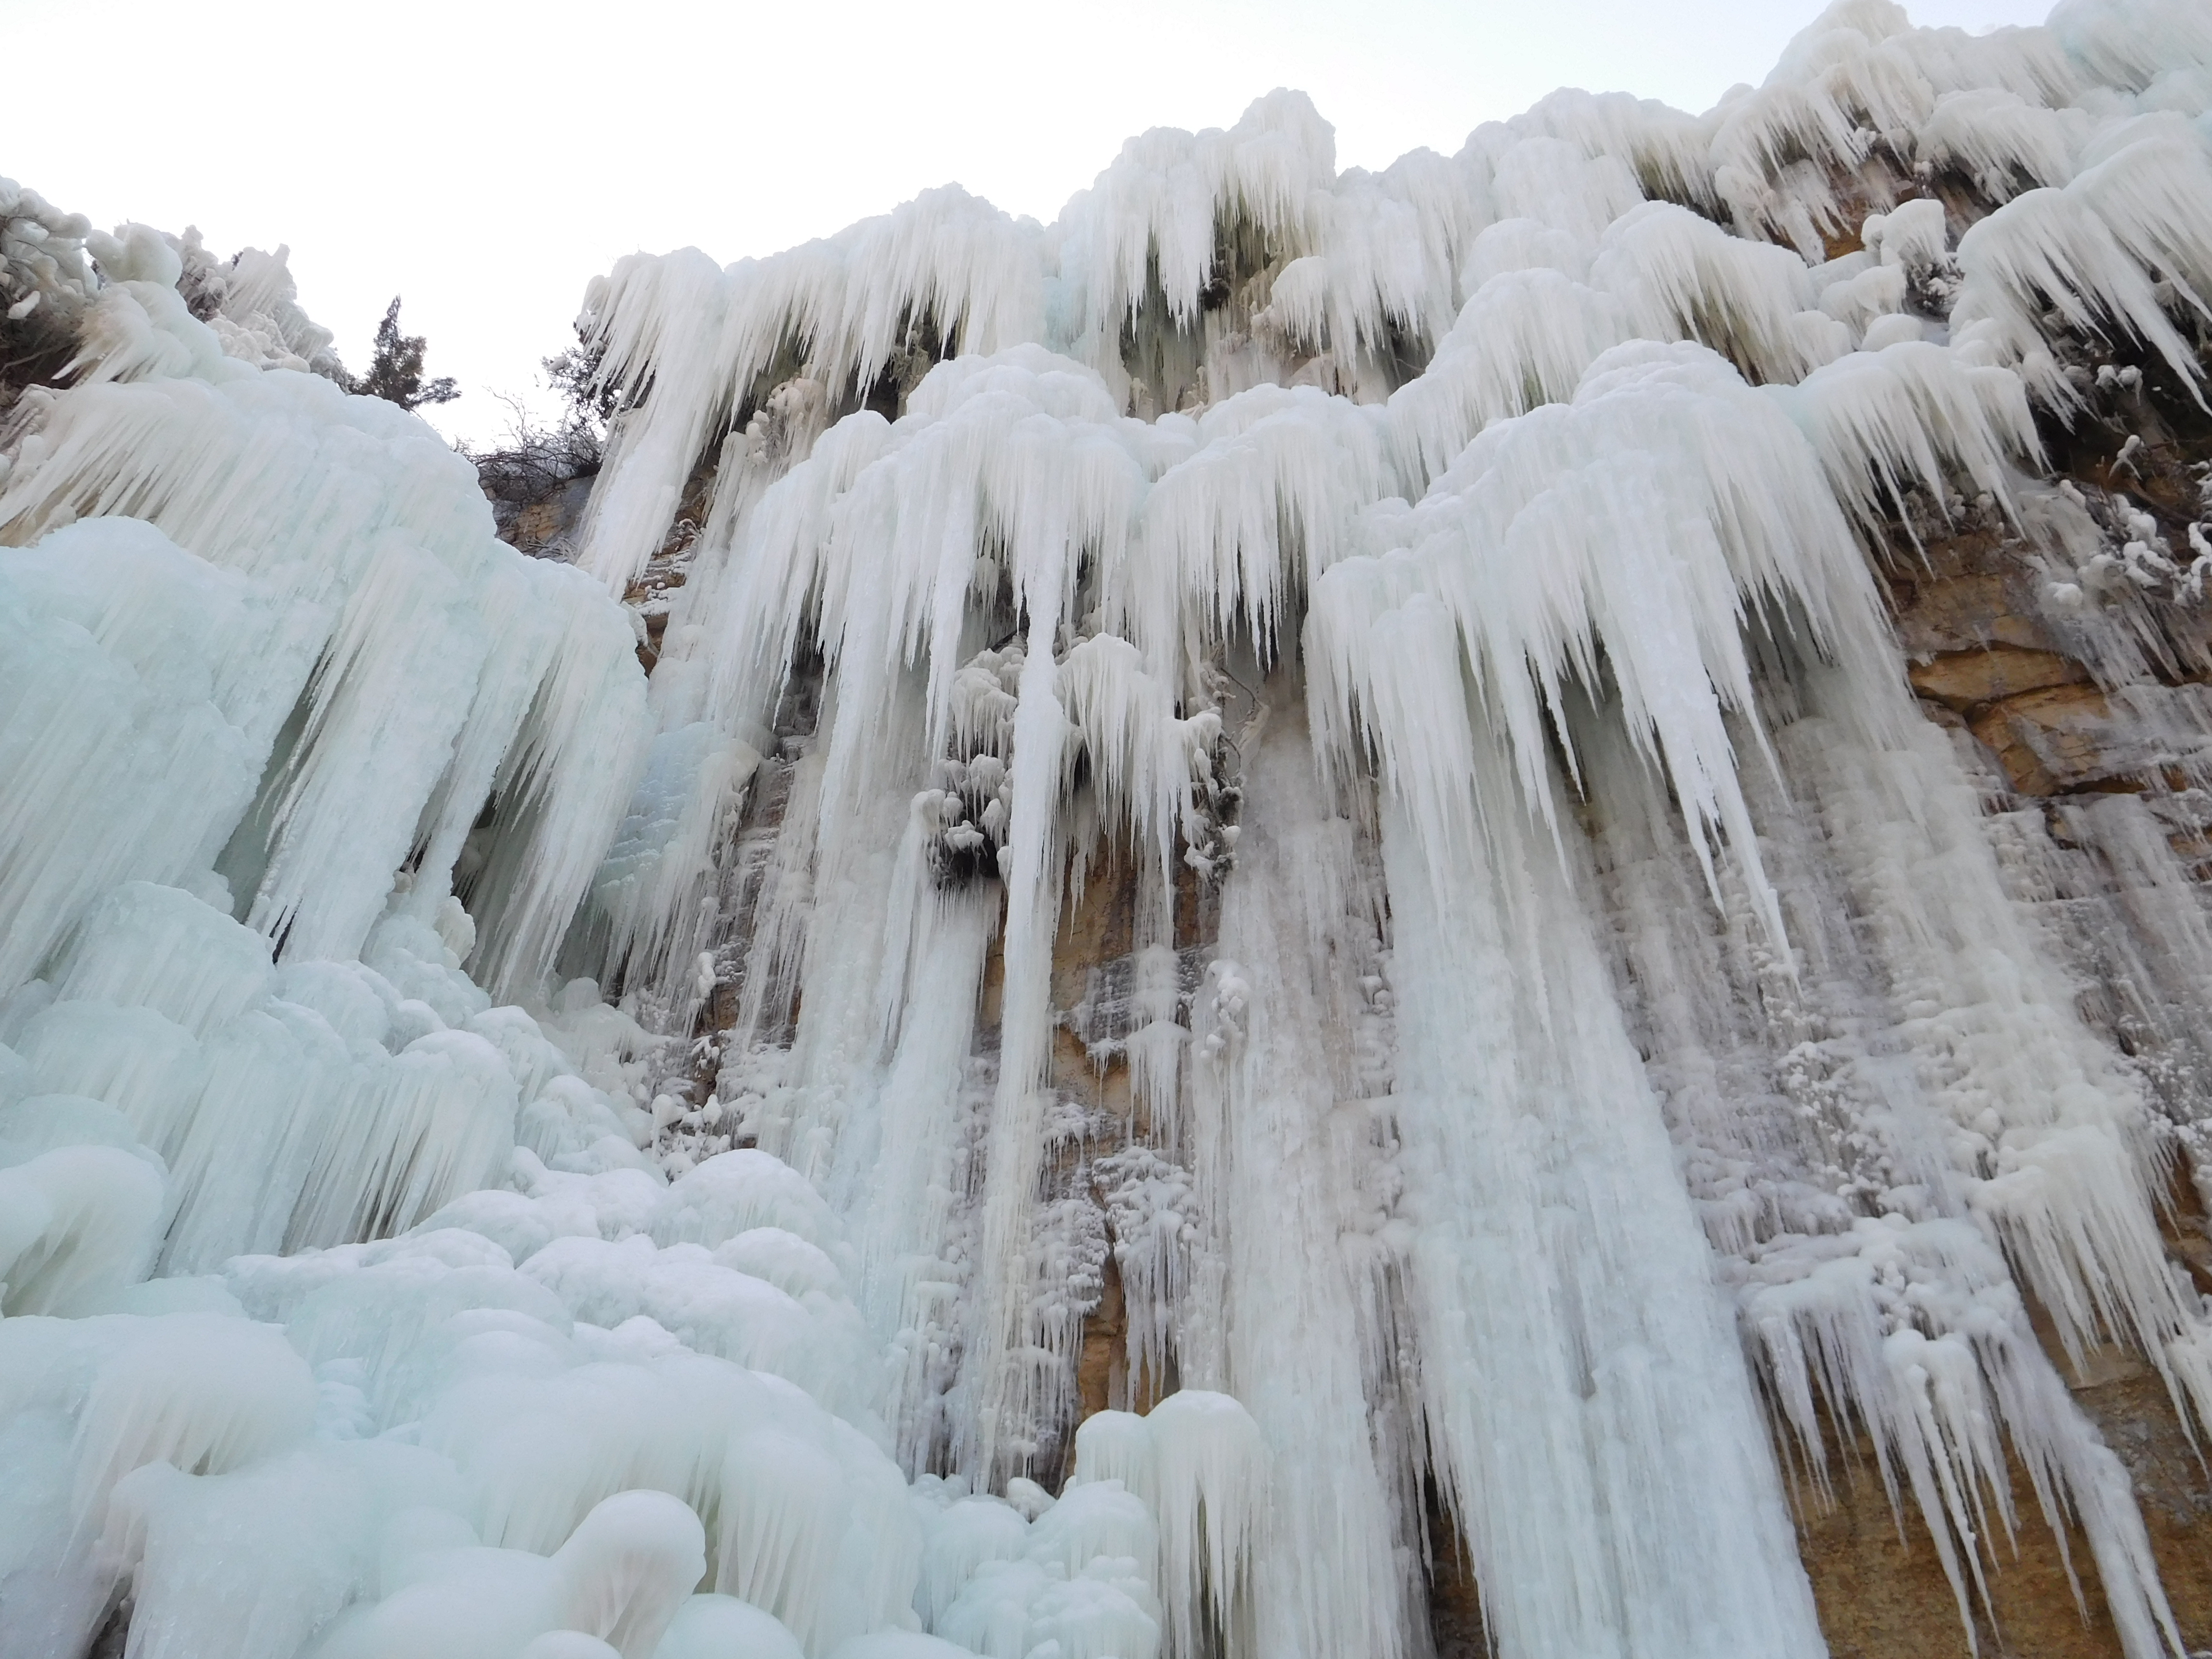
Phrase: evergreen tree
(575, 375)
(395, 371)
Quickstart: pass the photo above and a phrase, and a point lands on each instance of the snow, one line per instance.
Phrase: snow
(500, 1158)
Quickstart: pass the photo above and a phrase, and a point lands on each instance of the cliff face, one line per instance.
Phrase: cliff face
(2096, 799)
(1322, 913)
(2049, 620)
(2051, 744)
(2095, 789)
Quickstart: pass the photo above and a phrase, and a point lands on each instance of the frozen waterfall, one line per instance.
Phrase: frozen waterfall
(1162, 923)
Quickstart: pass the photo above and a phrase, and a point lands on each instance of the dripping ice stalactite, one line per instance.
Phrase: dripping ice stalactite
(1276, 917)
(1283, 1124)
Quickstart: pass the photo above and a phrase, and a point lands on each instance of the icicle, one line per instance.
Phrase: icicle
(1571, 1355)
(1908, 414)
(1525, 338)
(1501, 559)
(1293, 1183)
(908, 1275)
(131, 741)
(657, 322)
(1033, 874)
(1156, 206)
(2092, 250)
(1678, 276)
(1992, 134)
(81, 1223)
(391, 587)
(1197, 1459)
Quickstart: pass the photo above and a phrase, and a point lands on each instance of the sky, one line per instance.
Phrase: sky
(484, 158)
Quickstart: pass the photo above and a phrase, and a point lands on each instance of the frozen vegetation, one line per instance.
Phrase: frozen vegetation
(1581, 1045)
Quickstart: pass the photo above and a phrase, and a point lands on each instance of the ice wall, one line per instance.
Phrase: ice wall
(334, 1298)
(1277, 905)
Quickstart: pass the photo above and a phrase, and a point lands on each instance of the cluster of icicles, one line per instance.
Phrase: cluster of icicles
(1613, 977)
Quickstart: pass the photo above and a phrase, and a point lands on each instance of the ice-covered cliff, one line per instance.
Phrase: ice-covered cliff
(1340, 904)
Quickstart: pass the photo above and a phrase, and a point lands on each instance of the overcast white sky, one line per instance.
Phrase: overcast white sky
(483, 158)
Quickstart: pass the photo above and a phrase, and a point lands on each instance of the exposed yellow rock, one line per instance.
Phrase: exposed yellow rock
(1964, 680)
(1969, 609)
(2049, 741)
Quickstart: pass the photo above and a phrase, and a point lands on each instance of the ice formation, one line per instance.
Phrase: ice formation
(502, 1156)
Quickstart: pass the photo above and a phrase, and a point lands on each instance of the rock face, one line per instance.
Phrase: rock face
(2019, 692)
(1883, 1593)
(2015, 675)
(2073, 691)
(2056, 707)
(539, 489)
